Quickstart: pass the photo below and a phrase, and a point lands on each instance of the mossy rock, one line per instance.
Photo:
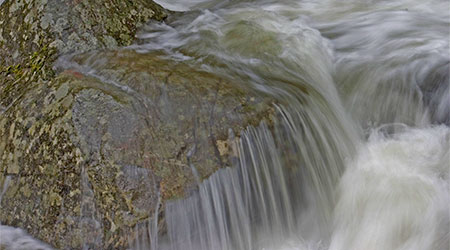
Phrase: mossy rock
(70, 25)
(90, 154)
(34, 33)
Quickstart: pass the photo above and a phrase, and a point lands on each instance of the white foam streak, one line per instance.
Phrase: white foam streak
(390, 62)
(395, 195)
(335, 69)
(12, 238)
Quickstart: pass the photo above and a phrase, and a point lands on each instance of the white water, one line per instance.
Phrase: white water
(338, 68)
(395, 194)
(359, 155)
(16, 239)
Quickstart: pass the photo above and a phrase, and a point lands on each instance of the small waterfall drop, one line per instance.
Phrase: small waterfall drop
(344, 167)
(356, 156)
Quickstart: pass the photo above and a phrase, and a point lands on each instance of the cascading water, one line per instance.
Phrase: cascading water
(304, 185)
(395, 194)
(357, 157)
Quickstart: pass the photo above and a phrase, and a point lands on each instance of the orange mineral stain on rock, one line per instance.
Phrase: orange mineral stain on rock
(77, 74)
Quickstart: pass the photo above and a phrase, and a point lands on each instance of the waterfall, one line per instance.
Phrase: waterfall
(355, 159)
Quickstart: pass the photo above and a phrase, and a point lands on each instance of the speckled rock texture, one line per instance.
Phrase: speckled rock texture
(27, 26)
(33, 33)
(90, 154)
(92, 149)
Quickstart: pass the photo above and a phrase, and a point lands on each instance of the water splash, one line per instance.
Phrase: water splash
(395, 195)
(337, 68)
(12, 238)
(387, 62)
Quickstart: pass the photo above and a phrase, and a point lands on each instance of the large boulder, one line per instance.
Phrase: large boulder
(90, 154)
(96, 143)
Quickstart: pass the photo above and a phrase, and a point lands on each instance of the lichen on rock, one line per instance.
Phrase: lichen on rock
(129, 129)
(89, 154)
(34, 33)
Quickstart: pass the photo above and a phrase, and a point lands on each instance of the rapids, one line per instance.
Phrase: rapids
(357, 159)
(358, 156)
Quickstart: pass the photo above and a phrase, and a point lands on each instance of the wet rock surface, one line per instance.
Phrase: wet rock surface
(51, 195)
(90, 144)
(89, 153)
(69, 25)
(34, 33)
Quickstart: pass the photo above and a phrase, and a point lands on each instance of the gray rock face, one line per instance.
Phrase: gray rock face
(69, 26)
(34, 33)
(140, 187)
(91, 152)
(99, 118)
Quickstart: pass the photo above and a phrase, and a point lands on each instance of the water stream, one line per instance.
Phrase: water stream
(358, 157)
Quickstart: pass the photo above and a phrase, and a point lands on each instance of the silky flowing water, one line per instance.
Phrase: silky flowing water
(357, 159)
(358, 155)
